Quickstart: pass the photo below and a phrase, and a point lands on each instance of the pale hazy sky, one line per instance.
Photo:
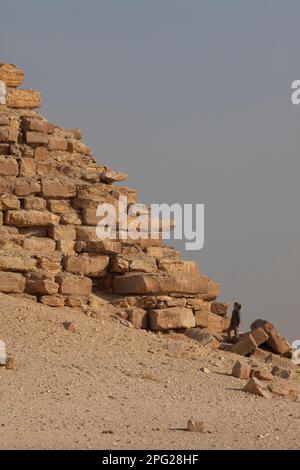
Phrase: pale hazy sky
(192, 99)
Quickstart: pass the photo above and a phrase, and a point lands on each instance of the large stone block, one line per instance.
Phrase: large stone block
(45, 245)
(27, 167)
(12, 283)
(8, 135)
(87, 265)
(26, 186)
(41, 286)
(275, 341)
(159, 284)
(36, 139)
(16, 263)
(138, 317)
(9, 201)
(23, 218)
(34, 203)
(171, 318)
(7, 184)
(74, 285)
(10, 75)
(8, 166)
(87, 234)
(62, 232)
(55, 143)
(23, 99)
(52, 188)
(245, 345)
(37, 125)
(255, 387)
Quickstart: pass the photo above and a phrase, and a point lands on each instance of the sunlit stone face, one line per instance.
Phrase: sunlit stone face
(2, 92)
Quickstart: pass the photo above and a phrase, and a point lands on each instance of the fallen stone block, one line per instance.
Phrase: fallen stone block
(12, 282)
(276, 360)
(283, 373)
(204, 338)
(10, 363)
(281, 389)
(241, 370)
(260, 354)
(196, 426)
(171, 318)
(244, 346)
(255, 387)
(276, 342)
(261, 373)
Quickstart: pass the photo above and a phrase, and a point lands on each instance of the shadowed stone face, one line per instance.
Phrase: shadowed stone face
(2, 93)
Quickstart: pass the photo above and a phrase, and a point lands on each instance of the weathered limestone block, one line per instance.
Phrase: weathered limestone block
(41, 154)
(27, 167)
(74, 285)
(171, 318)
(260, 354)
(8, 166)
(185, 267)
(26, 186)
(49, 262)
(249, 342)
(283, 373)
(45, 245)
(159, 284)
(37, 125)
(87, 192)
(111, 176)
(276, 360)
(87, 265)
(204, 338)
(23, 218)
(138, 317)
(9, 201)
(211, 321)
(55, 143)
(4, 120)
(87, 234)
(8, 135)
(58, 206)
(10, 75)
(78, 147)
(261, 373)
(55, 300)
(276, 342)
(23, 99)
(255, 387)
(42, 287)
(241, 370)
(12, 282)
(219, 308)
(44, 168)
(62, 232)
(7, 184)
(52, 188)
(166, 252)
(34, 203)
(4, 149)
(140, 263)
(213, 291)
(66, 247)
(16, 263)
(100, 246)
(72, 217)
(36, 139)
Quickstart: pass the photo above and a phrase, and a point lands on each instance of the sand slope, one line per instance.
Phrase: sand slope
(116, 387)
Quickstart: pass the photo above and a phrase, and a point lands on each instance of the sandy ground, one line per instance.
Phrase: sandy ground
(114, 387)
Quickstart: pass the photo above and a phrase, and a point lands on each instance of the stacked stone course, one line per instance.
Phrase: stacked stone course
(50, 187)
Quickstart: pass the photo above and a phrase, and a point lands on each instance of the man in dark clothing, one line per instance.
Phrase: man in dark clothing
(235, 320)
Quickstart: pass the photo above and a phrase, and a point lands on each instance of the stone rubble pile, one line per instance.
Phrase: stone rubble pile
(50, 188)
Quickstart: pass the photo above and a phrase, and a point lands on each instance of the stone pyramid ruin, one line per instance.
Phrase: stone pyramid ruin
(50, 188)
